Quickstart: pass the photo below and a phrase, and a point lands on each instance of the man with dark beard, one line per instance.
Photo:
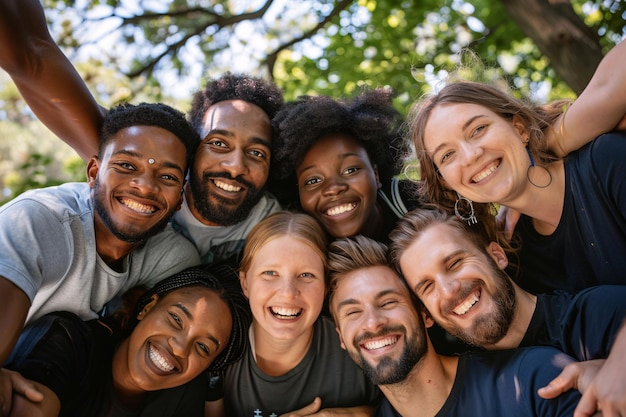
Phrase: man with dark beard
(458, 272)
(383, 328)
(76, 246)
(225, 195)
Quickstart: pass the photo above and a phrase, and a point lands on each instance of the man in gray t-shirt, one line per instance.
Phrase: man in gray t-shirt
(76, 246)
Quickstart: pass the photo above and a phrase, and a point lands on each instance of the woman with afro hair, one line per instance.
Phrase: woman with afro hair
(343, 155)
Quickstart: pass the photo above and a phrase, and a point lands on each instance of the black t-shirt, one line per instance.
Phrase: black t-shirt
(73, 358)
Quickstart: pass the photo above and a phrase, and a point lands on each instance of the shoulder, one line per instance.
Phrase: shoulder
(64, 201)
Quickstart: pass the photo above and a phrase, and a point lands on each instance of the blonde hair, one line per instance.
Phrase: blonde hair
(297, 225)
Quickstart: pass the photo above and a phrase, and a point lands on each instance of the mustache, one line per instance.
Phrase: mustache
(383, 332)
(209, 175)
(463, 293)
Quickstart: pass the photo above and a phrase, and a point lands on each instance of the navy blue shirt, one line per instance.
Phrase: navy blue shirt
(583, 325)
(588, 246)
(504, 383)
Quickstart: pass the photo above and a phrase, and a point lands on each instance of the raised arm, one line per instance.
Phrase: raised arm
(45, 77)
(598, 109)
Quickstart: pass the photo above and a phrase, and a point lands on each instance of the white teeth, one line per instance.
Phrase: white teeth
(482, 175)
(286, 313)
(134, 205)
(467, 304)
(159, 361)
(341, 209)
(227, 187)
(380, 343)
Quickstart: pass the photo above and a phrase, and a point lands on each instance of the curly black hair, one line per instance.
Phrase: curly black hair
(368, 117)
(224, 280)
(231, 86)
(149, 114)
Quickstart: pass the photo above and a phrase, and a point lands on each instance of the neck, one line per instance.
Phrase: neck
(112, 250)
(275, 356)
(129, 394)
(525, 305)
(426, 388)
(547, 215)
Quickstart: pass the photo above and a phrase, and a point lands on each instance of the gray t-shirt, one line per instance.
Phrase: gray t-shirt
(48, 249)
(326, 371)
(222, 243)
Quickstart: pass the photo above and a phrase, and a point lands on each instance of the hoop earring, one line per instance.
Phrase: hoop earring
(471, 219)
(532, 165)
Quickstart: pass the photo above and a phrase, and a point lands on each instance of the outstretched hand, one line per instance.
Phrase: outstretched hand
(601, 384)
(11, 383)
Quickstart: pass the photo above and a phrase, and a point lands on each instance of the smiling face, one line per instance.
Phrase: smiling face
(133, 198)
(286, 288)
(231, 163)
(338, 186)
(177, 338)
(478, 153)
(378, 324)
(463, 288)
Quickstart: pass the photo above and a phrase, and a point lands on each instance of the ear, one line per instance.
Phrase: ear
(343, 345)
(379, 185)
(427, 318)
(148, 307)
(93, 166)
(243, 283)
(498, 254)
(180, 200)
(521, 128)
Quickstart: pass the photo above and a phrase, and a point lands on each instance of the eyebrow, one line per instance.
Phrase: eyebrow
(463, 127)
(190, 317)
(160, 162)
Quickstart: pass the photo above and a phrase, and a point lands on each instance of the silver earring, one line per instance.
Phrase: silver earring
(467, 205)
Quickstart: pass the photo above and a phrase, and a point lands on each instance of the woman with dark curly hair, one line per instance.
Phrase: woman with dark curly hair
(343, 156)
(190, 322)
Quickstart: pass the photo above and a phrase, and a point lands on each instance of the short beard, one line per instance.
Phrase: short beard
(488, 330)
(222, 211)
(131, 234)
(389, 371)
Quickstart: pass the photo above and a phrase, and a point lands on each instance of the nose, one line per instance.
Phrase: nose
(234, 162)
(178, 345)
(335, 186)
(289, 288)
(145, 182)
(447, 288)
(373, 319)
(470, 152)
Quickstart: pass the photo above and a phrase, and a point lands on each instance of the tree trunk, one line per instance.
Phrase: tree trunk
(572, 47)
